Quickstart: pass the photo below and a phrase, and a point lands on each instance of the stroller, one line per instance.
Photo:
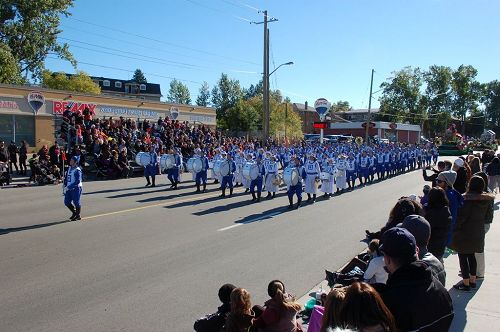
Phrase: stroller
(4, 174)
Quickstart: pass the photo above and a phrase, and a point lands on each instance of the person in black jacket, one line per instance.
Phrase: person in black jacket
(432, 178)
(493, 172)
(13, 150)
(437, 213)
(215, 321)
(460, 184)
(417, 300)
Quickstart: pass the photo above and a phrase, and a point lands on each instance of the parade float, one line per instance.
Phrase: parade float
(486, 142)
(453, 143)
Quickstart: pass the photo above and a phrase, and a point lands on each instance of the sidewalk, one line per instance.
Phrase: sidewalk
(477, 310)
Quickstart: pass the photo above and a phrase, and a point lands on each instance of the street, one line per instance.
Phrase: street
(153, 259)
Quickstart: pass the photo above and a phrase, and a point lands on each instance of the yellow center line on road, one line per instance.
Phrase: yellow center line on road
(165, 203)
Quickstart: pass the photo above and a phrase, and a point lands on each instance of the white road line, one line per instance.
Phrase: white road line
(259, 218)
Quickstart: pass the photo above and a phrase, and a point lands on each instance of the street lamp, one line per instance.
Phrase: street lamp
(266, 99)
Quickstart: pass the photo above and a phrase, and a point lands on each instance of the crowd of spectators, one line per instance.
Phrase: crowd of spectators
(403, 285)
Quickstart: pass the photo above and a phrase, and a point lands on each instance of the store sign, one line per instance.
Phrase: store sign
(11, 105)
(60, 106)
(127, 112)
(36, 100)
(202, 119)
(322, 106)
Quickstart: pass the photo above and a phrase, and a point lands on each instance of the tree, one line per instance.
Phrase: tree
(80, 82)
(203, 98)
(9, 69)
(491, 100)
(178, 93)
(401, 98)
(340, 106)
(225, 94)
(466, 92)
(243, 116)
(437, 98)
(139, 77)
(30, 29)
(253, 91)
(284, 120)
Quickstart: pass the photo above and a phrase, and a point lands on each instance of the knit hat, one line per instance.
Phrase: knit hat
(419, 227)
(448, 176)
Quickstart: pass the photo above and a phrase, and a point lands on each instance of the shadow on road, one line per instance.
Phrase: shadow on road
(108, 191)
(4, 231)
(167, 197)
(460, 301)
(223, 207)
(266, 215)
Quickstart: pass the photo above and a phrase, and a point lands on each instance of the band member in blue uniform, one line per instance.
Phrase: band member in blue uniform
(297, 189)
(258, 181)
(173, 173)
(73, 188)
(363, 171)
(227, 180)
(271, 174)
(312, 170)
(351, 171)
(201, 176)
(151, 169)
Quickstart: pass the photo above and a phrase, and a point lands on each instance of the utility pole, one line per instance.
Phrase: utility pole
(369, 112)
(265, 74)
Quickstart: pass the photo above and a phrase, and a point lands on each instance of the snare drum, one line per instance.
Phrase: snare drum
(142, 159)
(250, 171)
(167, 161)
(291, 176)
(221, 168)
(194, 165)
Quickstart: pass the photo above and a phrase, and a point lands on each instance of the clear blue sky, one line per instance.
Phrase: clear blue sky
(334, 44)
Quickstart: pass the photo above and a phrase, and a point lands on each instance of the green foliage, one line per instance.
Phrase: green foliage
(30, 29)
(340, 106)
(80, 82)
(437, 98)
(284, 119)
(178, 93)
(491, 99)
(225, 94)
(253, 91)
(9, 69)
(139, 77)
(243, 116)
(203, 98)
(466, 91)
(402, 98)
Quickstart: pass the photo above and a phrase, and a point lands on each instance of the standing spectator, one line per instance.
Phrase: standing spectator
(487, 223)
(411, 287)
(475, 165)
(13, 150)
(364, 310)
(460, 184)
(493, 172)
(280, 311)
(23, 156)
(432, 178)
(421, 230)
(468, 236)
(446, 180)
(215, 321)
(241, 317)
(4, 154)
(437, 213)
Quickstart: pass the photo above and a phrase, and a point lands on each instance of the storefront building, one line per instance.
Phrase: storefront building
(31, 113)
(394, 132)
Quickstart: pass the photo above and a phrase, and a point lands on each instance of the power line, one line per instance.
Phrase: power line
(218, 10)
(129, 71)
(241, 4)
(162, 41)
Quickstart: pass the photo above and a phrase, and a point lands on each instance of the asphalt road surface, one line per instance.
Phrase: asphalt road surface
(152, 259)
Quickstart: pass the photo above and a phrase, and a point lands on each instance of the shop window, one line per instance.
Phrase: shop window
(17, 128)
(6, 128)
(143, 87)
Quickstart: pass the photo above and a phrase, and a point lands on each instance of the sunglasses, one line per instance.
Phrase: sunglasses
(439, 181)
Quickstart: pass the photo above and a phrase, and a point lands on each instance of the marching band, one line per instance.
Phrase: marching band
(330, 169)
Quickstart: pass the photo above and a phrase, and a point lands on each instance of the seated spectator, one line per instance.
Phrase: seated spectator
(468, 235)
(215, 321)
(411, 287)
(364, 310)
(124, 163)
(241, 316)
(280, 311)
(437, 213)
(333, 304)
(404, 207)
(421, 230)
(375, 272)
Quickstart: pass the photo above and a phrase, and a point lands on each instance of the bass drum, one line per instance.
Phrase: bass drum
(167, 161)
(250, 171)
(142, 159)
(324, 176)
(291, 176)
(221, 168)
(194, 165)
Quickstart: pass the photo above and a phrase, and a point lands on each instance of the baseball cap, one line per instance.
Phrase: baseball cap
(398, 242)
(419, 227)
